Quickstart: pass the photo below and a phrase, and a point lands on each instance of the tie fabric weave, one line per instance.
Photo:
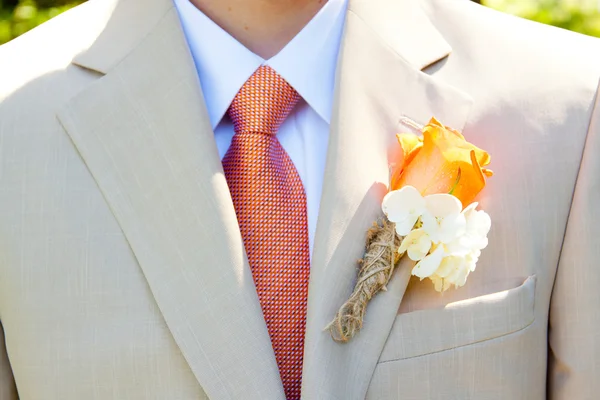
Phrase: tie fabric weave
(270, 204)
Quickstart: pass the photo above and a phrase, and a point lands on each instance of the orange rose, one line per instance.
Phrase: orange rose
(441, 161)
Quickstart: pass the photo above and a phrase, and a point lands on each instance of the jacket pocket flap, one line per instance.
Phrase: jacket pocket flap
(461, 323)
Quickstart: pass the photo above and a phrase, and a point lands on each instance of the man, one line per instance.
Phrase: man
(143, 257)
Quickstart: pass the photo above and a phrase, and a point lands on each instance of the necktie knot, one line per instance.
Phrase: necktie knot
(263, 103)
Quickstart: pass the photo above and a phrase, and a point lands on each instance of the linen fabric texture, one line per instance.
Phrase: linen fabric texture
(122, 267)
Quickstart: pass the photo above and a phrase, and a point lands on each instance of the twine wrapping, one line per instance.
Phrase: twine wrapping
(377, 267)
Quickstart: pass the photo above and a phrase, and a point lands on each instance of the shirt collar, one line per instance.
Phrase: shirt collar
(308, 62)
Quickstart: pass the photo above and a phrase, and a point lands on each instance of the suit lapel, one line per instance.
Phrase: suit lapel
(379, 81)
(144, 133)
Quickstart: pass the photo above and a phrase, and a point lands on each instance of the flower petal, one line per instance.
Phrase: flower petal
(444, 229)
(427, 266)
(410, 144)
(416, 244)
(470, 208)
(416, 254)
(442, 205)
(460, 246)
(472, 259)
(405, 226)
(438, 283)
(424, 243)
(478, 224)
(452, 227)
(399, 204)
(459, 277)
(420, 247)
(447, 266)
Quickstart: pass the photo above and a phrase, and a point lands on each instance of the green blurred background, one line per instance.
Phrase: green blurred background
(18, 16)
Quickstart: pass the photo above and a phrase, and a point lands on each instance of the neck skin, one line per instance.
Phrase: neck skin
(262, 26)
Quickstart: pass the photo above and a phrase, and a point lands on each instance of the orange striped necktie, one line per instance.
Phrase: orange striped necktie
(270, 204)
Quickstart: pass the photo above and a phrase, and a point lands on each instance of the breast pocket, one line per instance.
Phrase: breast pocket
(461, 323)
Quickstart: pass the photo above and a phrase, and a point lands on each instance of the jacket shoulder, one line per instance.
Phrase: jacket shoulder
(51, 46)
(477, 21)
(498, 53)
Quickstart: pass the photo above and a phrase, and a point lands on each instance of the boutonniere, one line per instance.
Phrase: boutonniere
(429, 216)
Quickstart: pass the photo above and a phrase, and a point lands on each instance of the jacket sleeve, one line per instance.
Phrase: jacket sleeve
(574, 327)
(8, 391)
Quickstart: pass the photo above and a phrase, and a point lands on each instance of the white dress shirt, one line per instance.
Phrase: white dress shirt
(308, 63)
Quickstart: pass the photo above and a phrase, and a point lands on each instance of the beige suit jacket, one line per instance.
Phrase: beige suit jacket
(122, 270)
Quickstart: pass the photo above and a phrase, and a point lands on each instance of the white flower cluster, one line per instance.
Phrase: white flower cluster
(444, 239)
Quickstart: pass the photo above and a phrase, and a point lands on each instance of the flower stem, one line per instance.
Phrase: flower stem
(456, 182)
